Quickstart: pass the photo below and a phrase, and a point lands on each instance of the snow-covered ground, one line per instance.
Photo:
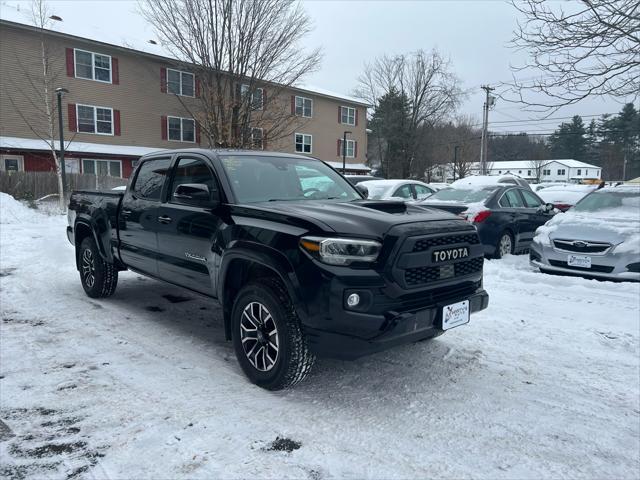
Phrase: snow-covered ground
(543, 384)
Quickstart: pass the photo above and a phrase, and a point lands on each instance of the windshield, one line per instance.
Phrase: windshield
(626, 203)
(463, 195)
(265, 178)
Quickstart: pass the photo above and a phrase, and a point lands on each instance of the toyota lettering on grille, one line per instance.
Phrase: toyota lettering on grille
(450, 254)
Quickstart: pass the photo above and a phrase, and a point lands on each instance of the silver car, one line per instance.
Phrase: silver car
(598, 238)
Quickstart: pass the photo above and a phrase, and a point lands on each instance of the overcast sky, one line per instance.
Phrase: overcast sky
(474, 34)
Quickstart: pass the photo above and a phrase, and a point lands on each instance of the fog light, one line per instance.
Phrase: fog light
(353, 300)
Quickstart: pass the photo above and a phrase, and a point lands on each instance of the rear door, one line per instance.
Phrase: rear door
(512, 204)
(186, 233)
(138, 242)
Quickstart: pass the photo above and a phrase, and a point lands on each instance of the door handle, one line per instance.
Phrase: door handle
(164, 219)
(126, 213)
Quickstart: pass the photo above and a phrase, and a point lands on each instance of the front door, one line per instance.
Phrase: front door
(139, 213)
(186, 233)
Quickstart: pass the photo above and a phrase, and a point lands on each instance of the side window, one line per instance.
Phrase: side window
(504, 202)
(531, 200)
(514, 198)
(422, 191)
(150, 178)
(193, 170)
(403, 192)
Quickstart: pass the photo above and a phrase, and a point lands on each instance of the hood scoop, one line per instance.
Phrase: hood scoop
(386, 206)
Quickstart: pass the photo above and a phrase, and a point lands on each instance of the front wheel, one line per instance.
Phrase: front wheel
(505, 245)
(267, 337)
(98, 278)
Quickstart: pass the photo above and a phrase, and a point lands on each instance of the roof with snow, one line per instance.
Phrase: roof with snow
(76, 147)
(528, 164)
(133, 42)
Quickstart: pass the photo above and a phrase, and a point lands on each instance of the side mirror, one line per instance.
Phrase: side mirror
(363, 190)
(196, 194)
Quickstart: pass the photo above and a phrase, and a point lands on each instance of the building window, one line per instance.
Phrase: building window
(303, 143)
(350, 150)
(519, 171)
(12, 163)
(97, 120)
(92, 66)
(304, 107)
(561, 171)
(499, 172)
(586, 172)
(180, 83)
(579, 172)
(256, 96)
(181, 129)
(257, 138)
(348, 115)
(102, 168)
(528, 173)
(546, 172)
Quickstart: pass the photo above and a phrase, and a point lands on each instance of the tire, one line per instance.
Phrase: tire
(265, 304)
(99, 278)
(505, 245)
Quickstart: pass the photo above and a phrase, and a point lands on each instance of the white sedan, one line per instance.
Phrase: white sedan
(407, 190)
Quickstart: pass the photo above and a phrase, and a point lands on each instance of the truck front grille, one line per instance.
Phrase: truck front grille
(426, 243)
(421, 275)
(579, 246)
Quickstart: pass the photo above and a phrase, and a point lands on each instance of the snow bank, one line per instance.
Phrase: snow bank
(13, 211)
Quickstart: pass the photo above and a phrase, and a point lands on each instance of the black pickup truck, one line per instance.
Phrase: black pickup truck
(301, 264)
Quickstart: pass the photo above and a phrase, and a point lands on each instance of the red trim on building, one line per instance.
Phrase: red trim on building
(71, 113)
(163, 127)
(115, 71)
(163, 80)
(70, 63)
(116, 122)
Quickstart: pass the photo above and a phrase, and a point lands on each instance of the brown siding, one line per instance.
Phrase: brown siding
(137, 96)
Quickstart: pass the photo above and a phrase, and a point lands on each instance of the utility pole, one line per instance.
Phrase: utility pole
(490, 100)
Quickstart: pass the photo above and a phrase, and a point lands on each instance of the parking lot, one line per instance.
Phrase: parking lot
(544, 383)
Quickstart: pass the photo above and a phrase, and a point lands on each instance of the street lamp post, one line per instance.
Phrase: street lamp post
(60, 91)
(344, 151)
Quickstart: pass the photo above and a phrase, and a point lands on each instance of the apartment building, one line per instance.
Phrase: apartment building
(123, 103)
(555, 170)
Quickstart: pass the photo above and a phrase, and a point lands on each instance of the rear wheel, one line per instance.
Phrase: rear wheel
(268, 340)
(505, 245)
(99, 278)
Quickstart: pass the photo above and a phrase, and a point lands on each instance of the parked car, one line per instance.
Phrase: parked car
(438, 185)
(356, 179)
(541, 186)
(477, 180)
(406, 190)
(566, 196)
(506, 216)
(598, 238)
(300, 263)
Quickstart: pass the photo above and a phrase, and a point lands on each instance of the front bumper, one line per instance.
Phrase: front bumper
(391, 329)
(607, 267)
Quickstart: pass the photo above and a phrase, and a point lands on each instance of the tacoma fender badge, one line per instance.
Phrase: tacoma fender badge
(193, 256)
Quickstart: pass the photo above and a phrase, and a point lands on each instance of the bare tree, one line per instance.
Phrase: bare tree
(38, 90)
(537, 166)
(592, 49)
(427, 83)
(245, 55)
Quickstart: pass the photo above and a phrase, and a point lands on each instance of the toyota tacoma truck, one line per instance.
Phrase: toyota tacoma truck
(301, 264)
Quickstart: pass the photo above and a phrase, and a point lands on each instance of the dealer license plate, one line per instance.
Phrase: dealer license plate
(455, 315)
(579, 261)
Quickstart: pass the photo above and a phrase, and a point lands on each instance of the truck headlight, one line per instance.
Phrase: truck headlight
(341, 251)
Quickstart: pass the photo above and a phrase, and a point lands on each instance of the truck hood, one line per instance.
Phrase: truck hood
(366, 218)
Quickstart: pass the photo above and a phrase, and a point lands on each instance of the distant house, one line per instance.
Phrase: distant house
(556, 170)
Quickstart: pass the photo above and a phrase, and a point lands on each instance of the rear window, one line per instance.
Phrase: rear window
(462, 195)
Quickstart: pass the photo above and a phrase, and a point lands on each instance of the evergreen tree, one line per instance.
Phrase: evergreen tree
(569, 140)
